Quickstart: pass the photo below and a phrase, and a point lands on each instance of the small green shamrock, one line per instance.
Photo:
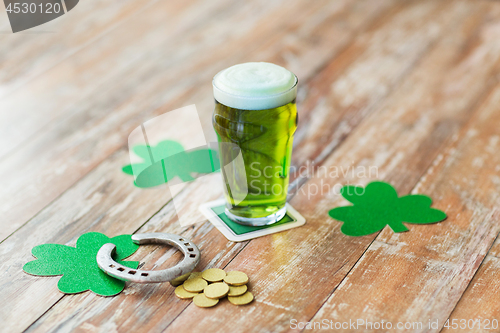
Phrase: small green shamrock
(167, 160)
(378, 205)
(78, 265)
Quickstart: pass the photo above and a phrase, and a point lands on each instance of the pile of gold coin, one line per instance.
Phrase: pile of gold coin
(208, 287)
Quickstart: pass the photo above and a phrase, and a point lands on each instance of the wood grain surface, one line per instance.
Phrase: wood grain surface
(408, 90)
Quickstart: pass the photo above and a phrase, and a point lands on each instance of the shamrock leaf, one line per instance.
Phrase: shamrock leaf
(168, 160)
(78, 265)
(378, 205)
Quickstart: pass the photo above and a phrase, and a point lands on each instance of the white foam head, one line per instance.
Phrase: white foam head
(255, 86)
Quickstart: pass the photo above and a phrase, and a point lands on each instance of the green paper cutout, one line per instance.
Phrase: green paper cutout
(167, 160)
(378, 205)
(240, 229)
(78, 265)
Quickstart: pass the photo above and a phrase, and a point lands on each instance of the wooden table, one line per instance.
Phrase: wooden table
(408, 87)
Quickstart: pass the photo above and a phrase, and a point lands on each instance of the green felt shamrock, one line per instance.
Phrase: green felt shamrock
(378, 205)
(78, 265)
(167, 160)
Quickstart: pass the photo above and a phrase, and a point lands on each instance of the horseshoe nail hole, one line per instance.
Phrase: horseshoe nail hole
(121, 269)
(132, 272)
(182, 240)
(187, 244)
(112, 266)
(190, 249)
(144, 274)
(192, 255)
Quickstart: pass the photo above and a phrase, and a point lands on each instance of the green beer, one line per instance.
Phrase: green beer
(255, 118)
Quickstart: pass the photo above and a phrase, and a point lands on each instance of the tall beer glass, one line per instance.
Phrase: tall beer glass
(255, 116)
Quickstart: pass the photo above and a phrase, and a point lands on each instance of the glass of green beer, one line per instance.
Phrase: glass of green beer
(255, 117)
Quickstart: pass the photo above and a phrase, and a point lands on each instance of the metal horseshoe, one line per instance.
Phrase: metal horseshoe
(116, 270)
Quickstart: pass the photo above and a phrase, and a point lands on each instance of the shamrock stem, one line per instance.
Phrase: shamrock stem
(398, 227)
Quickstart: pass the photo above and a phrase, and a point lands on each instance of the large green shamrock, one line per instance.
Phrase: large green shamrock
(167, 160)
(378, 205)
(78, 265)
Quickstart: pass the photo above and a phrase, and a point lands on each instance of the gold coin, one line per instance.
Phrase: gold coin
(194, 275)
(237, 290)
(216, 290)
(195, 285)
(235, 278)
(213, 275)
(179, 280)
(240, 300)
(183, 293)
(203, 301)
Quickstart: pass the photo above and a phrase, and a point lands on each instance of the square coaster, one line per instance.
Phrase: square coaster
(235, 232)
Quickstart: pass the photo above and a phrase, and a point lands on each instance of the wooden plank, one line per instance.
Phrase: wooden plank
(98, 126)
(338, 85)
(478, 306)
(419, 276)
(102, 319)
(34, 94)
(90, 316)
(295, 272)
(96, 67)
(156, 303)
(89, 217)
(495, 249)
(97, 132)
(95, 206)
(138, 45)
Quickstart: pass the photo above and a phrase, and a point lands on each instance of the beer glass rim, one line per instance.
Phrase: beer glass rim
(262, 98)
